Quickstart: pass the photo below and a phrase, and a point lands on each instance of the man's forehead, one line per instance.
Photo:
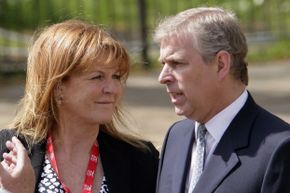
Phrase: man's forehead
(170, 53)
(172, 50)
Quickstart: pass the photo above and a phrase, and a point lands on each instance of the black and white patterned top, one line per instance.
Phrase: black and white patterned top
(49, 182)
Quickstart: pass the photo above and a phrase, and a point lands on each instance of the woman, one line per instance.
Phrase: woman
(68, 118)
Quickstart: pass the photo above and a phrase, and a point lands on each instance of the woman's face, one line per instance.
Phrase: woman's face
(91, 97)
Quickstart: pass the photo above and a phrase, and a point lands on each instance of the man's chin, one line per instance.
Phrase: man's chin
(179, 112)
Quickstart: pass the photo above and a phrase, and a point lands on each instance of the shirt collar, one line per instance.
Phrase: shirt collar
(217, 125)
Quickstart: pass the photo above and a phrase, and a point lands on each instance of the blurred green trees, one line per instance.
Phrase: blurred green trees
(266, 22)
(255, 15)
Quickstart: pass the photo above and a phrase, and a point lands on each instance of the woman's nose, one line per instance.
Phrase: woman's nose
(111, 87)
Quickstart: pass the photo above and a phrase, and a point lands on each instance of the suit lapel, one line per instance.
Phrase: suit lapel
(220, 164)
(225, 157)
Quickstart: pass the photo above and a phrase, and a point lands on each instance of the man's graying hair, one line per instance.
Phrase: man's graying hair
(211, 30)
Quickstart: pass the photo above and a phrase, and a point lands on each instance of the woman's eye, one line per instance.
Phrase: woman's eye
(117, 76)
(97, 77)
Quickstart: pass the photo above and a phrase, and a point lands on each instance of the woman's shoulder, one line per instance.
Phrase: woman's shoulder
(142, 148)
(137, 163)
(147, 149)
(6, 134)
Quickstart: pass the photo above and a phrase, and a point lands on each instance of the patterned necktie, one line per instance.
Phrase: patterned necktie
(198, 160)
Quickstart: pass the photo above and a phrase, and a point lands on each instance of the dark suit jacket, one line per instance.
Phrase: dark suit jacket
(127, 168)
(253, 156)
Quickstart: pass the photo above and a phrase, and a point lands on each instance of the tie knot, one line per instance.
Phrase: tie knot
(201, 131)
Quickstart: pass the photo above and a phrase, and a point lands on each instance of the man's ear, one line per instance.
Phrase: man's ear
(223, 59)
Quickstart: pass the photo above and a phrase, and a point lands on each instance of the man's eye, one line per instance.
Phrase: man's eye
(176, 63)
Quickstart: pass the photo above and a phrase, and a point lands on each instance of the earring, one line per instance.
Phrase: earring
(59, 100)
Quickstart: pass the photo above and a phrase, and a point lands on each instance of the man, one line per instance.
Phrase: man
(227, 144)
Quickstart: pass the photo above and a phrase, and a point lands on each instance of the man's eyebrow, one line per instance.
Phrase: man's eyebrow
(174, 58)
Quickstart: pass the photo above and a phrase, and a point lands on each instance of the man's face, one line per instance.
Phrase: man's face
(191, 83)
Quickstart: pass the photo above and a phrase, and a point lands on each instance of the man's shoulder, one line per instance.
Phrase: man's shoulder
(272, 125)
(184, 123)
(271, 118)
(260, 118)
(181, 127)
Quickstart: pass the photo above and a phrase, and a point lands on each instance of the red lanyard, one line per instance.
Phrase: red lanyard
(91, 169)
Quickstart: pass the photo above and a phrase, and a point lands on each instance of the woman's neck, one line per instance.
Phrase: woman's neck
(74, 140)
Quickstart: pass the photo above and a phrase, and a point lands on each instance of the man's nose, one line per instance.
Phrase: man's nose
(165, 75)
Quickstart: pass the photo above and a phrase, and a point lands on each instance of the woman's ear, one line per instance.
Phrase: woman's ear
(223, 59)
(58, 93)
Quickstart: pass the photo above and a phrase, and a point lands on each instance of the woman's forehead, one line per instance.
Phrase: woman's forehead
(98, 65)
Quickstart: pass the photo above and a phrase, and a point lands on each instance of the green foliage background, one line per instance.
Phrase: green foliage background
(122, 17)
